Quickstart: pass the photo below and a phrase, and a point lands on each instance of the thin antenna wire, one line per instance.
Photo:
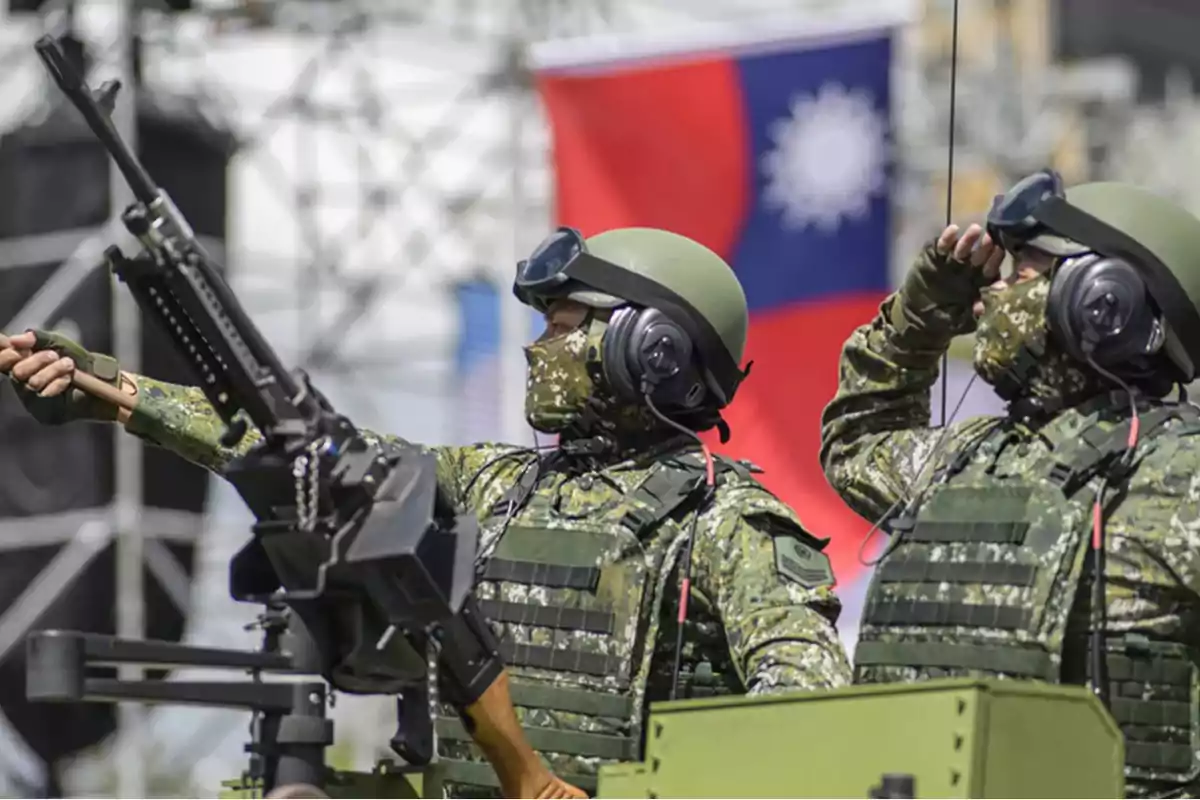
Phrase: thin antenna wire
(950, 176)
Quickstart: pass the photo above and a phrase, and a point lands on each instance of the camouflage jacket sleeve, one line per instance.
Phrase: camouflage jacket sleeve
(876, 437)
(778, 616)
(180, 419)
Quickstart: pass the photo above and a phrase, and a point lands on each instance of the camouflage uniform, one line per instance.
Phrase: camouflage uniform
(580, 583)
(580, 556)
(988, 570)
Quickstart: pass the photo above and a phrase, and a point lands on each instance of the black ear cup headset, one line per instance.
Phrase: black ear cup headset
(1100, 308)
(644, 349)
(660, 347)
(1099, 311)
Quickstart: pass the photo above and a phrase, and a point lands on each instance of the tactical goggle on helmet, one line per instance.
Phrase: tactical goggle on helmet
(561, 266)
(1012, 224)
(1036, 213)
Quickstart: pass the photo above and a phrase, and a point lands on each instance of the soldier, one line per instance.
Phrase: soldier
(1000, 525)
(588, 550)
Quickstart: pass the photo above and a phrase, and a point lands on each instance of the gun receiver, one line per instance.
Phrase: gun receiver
(353, 534)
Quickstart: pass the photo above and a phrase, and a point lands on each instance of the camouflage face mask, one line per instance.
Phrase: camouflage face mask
(559, 385)
(1014, 318)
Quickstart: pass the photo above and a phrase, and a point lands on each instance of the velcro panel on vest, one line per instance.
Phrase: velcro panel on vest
(539, 657)
(565, 619)
(532, 573)
(925, 602)
(941, 530)
(558, 559)
(1016, 661)
(1159, 757)
(919, 570)
(574, 701)
(1150, 713)
(886, 611)
(967, 515)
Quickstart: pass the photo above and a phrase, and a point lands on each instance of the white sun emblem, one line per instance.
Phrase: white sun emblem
(829, 158)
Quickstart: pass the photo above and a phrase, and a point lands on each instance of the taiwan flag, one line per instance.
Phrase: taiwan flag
(774, 152)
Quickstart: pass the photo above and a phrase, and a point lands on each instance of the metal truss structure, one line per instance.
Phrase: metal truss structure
(418, 157)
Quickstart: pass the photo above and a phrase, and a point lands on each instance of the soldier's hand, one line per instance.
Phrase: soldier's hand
(973, 248)
(44, 373)
(12, 350)
(937, 297)
(42, 365)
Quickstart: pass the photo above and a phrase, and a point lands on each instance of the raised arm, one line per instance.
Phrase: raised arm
(876, 438)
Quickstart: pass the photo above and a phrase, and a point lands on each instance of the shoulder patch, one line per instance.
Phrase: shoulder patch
(801, 562)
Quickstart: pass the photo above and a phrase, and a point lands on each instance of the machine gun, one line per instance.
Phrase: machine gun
(353, 535)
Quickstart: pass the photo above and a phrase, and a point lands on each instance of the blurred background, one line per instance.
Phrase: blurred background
(369, 172)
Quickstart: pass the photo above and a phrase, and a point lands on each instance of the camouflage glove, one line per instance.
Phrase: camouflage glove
(72, 404)
(934, 303)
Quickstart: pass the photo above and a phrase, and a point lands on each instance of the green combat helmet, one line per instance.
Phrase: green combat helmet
(689, 308)
(1154, 238)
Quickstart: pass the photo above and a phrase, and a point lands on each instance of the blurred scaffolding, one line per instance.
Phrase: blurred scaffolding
(391, 148)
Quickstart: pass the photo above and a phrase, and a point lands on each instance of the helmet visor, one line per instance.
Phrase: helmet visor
(546, 268)
(1010, 221)
(547, 264)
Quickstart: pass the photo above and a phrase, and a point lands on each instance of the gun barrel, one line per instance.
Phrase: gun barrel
(96, 116)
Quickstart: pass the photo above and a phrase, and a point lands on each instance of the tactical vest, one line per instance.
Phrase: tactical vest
(990, 577)
(574, 602)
